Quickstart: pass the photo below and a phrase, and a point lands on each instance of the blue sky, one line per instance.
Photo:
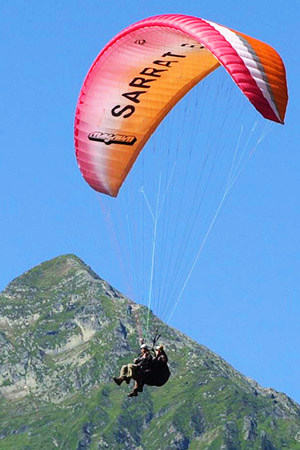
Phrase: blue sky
(242, 300)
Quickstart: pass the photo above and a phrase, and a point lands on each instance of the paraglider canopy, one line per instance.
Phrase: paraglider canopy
(144, 71)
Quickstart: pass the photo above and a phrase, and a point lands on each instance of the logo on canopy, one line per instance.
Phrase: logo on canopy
(111, 138)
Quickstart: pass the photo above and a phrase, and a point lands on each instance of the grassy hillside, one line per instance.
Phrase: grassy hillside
(64, 333)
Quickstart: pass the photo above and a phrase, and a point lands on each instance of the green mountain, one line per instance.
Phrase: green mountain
(64, 332)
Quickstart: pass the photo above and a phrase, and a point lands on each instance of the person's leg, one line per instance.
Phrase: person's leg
(123, 376)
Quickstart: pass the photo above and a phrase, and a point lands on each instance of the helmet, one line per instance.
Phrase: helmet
(145, 346)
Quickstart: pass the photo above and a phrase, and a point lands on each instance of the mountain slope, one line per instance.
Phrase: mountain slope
(64, 333)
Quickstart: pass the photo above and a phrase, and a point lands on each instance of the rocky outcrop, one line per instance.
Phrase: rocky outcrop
(250, 428)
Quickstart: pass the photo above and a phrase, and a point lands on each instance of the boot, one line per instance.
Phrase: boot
(119, 381)
(133, 393)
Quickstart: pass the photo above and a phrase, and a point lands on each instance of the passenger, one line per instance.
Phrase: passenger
(134, 371)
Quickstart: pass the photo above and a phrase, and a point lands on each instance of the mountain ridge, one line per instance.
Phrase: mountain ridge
(64, 333)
